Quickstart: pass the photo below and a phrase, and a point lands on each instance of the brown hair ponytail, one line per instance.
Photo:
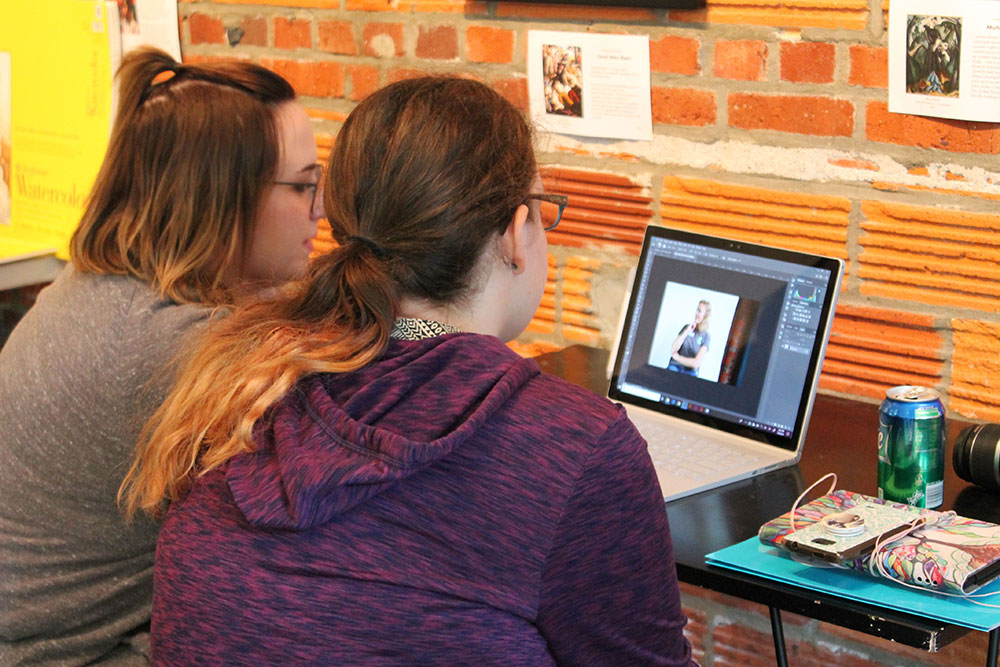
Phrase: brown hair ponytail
(424, 176)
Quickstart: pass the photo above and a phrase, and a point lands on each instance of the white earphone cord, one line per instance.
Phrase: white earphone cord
(874, 562)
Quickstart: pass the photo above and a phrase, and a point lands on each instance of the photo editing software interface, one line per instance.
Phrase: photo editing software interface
(721, 336)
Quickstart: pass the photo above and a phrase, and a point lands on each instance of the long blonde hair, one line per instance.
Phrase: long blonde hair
(177, 195)
(424, 174)
(703, 325)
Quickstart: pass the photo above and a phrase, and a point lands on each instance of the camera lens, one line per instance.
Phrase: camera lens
(976, 455)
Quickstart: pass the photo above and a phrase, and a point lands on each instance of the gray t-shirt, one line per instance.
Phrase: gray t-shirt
(693, 343)
(79, 376)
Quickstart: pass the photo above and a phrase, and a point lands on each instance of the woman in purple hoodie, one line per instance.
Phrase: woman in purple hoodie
(361, 472)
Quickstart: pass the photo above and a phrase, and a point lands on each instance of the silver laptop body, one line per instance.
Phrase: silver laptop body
(720, 353)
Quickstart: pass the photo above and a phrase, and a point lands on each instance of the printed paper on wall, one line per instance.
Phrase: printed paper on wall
(944, 60)
(590, 85)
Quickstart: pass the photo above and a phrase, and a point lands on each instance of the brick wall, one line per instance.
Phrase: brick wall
(770, 124)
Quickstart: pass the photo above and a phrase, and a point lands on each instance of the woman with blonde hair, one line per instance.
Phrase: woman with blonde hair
(366, 471)
(207, 190)
(691, 344)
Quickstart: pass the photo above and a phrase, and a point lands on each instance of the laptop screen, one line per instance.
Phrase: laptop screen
(726, 333)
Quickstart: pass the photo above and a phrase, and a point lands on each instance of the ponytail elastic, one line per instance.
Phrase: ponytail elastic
(376, 249)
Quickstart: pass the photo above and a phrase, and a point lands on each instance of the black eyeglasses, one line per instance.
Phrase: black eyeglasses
(305, 186)
(551, 208)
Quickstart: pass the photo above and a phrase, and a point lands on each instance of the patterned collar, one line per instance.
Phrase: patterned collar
(411, 328)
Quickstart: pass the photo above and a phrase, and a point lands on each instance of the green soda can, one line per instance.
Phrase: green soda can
(911, 447)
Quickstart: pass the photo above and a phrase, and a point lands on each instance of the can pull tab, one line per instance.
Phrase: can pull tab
(913, 393)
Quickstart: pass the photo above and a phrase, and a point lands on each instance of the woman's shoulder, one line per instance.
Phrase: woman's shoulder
(571, 409)
(127, 304)
(125, 316)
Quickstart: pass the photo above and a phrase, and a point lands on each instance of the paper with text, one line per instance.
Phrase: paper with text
(944, 60)
(590, 85)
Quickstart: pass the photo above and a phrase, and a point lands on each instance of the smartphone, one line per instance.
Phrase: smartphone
(844, 536)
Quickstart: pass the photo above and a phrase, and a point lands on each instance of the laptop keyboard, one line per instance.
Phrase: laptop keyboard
(691, 456)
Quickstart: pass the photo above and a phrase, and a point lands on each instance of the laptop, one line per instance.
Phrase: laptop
(719, 355)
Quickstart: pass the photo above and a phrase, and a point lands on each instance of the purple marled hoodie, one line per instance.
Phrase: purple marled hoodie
(448, 504)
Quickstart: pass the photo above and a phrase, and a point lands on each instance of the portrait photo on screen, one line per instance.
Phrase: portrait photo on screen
(694, 324)
(742, 312)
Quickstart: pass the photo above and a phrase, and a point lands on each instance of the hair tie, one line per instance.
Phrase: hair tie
(164, 75)
(376, 249)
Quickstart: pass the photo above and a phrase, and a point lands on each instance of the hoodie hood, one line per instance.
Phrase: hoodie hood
(337, 440)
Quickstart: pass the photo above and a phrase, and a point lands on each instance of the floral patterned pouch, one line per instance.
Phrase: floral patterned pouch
(952, 553)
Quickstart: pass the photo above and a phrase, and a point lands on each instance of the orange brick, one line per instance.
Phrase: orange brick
(564, 177)
(400, 73)
(584, 335)
(850, 163)
(807, 62)
(485, 44)
(371, 6)
(254, 31)
(291, 33)
(580, 304)
(577, 285)
(364, 81)
(975, 375)
(604, 210)
(437, 42)
(310, 77)
(523, 10)
(950, 135)
(337, 37)
(897, 187)
(585, 263)
(383, 40)
(744, 59)
(872, 349)
(205, 29)
(533, 348)
(538, 326)
(869, 66)
(784, 218)
(514, 89)
(674, 55)
(946, 257)
(193, 58)
(469, 8)
(324, 142)
(837, 14)
(815, 115)
(683, 106)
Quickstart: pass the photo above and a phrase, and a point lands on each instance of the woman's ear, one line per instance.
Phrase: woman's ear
(514, 241)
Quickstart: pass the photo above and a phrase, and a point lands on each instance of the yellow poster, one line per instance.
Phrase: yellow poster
(55, 117)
